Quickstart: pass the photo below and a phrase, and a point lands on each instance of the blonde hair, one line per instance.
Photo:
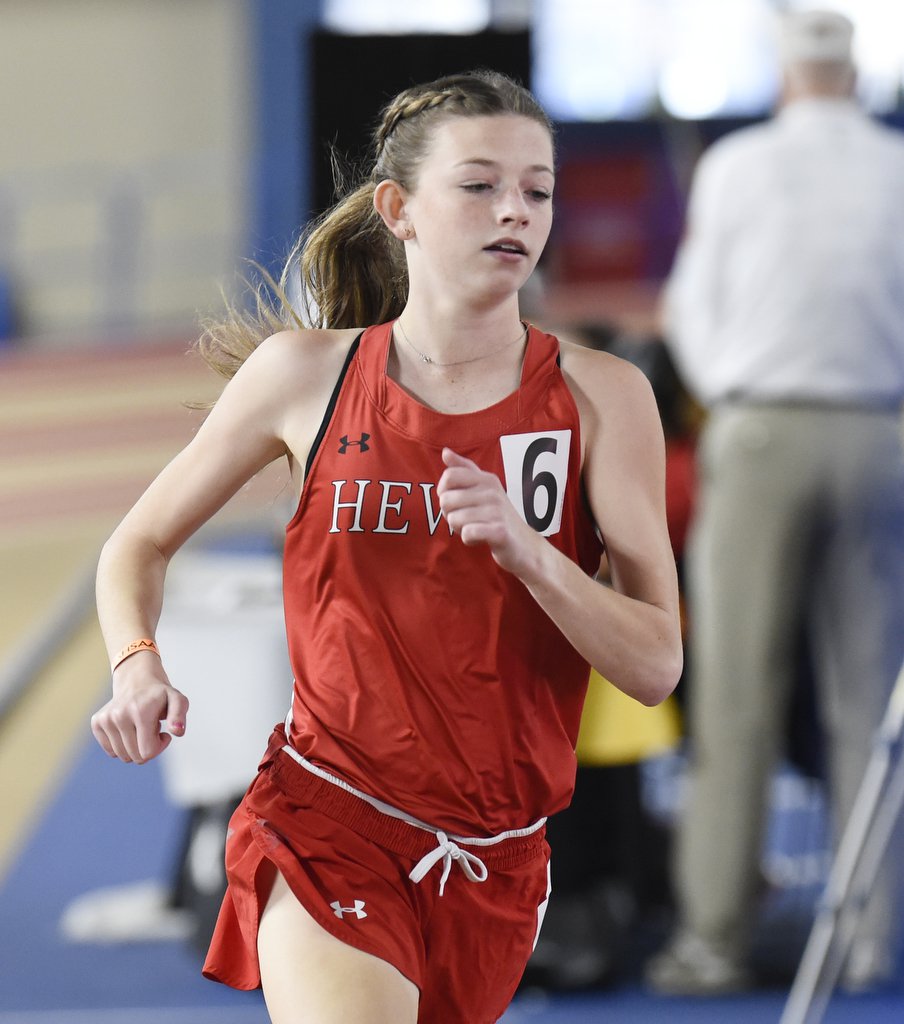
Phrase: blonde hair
(347, 269)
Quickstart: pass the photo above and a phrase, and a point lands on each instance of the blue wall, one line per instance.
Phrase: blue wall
(280, 173)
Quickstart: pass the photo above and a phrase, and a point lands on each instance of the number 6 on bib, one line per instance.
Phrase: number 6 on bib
(536, 471)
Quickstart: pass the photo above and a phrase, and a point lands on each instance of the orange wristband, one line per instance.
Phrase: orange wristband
(133, 648)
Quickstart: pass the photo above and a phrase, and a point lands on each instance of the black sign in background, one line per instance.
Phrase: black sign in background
(353, 77)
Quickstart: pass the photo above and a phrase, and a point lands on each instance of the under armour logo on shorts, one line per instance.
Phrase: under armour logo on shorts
(357, 909)
(345, 444)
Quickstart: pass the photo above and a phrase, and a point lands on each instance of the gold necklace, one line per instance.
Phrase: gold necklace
(424, 358)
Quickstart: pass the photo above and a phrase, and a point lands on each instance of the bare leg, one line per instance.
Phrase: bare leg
(310, 976)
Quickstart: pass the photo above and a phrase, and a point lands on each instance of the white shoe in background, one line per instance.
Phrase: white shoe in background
(869, 966)
(139, 912)
(691, 966)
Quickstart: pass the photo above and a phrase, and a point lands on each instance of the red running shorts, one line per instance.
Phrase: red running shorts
(348, 864)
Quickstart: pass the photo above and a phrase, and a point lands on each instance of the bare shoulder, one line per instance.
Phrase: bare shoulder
(623, 456)
(606, 387)
(290, 378)
(304, 360)
(281, 390)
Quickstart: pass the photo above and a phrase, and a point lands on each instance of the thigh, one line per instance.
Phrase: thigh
(307, 974)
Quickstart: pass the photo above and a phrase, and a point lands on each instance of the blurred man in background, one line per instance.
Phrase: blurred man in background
(785, 314)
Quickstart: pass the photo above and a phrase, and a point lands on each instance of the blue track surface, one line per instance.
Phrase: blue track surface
(110, 824)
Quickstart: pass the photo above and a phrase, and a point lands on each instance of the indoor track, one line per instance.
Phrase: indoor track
(81, 433)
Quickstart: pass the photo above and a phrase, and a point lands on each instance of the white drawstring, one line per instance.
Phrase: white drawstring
(449, 851)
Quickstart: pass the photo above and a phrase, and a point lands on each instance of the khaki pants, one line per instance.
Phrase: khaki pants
(800, 525)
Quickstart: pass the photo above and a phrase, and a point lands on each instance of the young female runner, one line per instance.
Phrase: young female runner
(459, 476)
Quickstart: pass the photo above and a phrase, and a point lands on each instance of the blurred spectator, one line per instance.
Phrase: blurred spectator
(785, 313)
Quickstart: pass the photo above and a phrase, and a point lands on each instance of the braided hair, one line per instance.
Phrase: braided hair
(352, 269)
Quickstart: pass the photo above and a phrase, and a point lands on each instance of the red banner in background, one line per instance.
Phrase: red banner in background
(617, 218)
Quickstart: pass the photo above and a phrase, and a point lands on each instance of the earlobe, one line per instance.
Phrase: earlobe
(390, 204)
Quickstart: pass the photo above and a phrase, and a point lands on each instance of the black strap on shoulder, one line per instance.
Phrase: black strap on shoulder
(331, 406)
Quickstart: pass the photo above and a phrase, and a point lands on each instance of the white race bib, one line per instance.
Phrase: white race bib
(536, 472)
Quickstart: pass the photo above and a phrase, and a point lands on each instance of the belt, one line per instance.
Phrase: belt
(842, 403)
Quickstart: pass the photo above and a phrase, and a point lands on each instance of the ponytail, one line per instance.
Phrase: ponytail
(351, 266)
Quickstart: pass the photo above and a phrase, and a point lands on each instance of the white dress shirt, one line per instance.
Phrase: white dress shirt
(789, 283)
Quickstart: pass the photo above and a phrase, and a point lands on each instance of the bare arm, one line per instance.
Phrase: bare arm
(271, 408)
(630, 631)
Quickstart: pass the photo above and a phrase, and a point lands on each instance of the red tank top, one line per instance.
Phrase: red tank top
(425, 675)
